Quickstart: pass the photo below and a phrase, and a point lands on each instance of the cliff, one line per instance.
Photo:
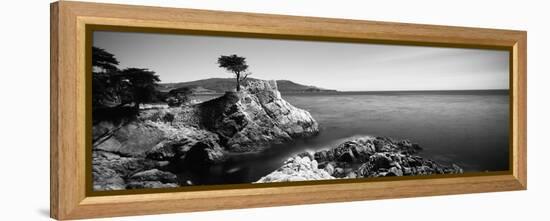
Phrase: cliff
(145, 152)
(257, 116)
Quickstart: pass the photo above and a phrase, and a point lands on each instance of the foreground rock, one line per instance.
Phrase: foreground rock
(362, 158)
(163, 141)
(153, 178)
(297, 169)
(111, 171)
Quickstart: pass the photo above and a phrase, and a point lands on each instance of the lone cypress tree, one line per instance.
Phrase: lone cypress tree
(236, 65)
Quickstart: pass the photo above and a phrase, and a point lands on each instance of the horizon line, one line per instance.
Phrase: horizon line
(404, 90)
(335, 90)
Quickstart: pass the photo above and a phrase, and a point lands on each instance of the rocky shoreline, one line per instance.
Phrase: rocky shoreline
(363, 157)
(149, 151)
(159, 147)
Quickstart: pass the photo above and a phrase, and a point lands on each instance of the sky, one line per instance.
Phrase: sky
(329, 65)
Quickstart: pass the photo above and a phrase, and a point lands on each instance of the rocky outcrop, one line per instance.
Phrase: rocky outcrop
(153, 178)
(165, 140)
(367, 157)
(297, 169)
(255, 117)
(111, 171)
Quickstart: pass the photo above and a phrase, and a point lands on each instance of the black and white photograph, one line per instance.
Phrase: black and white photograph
(178, 110)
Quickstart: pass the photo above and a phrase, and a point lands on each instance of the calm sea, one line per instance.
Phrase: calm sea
(469, 128)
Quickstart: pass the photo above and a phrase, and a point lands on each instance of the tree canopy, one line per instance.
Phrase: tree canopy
(104, 60)
(236, 65)
(140, 85)
(114, 87)
(104, 84)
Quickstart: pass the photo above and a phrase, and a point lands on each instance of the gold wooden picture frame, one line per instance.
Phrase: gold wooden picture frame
(73, 22)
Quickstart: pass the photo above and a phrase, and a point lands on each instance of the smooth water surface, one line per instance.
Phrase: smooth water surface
(469, 128)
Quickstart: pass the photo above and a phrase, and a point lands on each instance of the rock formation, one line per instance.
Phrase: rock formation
(361, 158)
(254, 118)
(146, 152)
(297, 169)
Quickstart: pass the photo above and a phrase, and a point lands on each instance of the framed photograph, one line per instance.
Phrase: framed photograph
(162, 110)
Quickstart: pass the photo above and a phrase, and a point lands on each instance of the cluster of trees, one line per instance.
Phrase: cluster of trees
(114, 87)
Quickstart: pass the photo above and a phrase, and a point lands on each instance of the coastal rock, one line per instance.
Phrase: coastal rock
(254, 118)
(156, 136)
(131, 139)
(110, 170)
(244, 121)
(368, 156)
(329, 168)
(106, 178)
(191, 137)
(154, 175)
(153, 178)
(395, 172)
(354, 150)
(380, 161)
(297, 169)
(324, 155)
(150, 185)
(122, 165)
(294, 121)
(200, 142)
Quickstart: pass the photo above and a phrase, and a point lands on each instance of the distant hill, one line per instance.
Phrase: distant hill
(221, 85)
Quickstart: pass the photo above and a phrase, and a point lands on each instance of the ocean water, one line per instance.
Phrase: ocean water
(468, 128)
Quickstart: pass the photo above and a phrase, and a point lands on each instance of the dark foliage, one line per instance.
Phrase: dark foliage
(104, 81)
(104, 60)
(236, 65)
(114, 89)
(139, 85)
(113, 114)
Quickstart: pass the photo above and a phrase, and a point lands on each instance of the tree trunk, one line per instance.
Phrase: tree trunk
(238, 82)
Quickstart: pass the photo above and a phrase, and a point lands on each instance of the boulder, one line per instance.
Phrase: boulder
(377, 157)
(365, 170)
(296, 169)
(329, 168)
(174, 150)
(395, 171)
(345, 155)
(150, 185)
(381, 145)
(351, 175)
(405, 144)
(324, 155)
(124, 166)
(154, 175)
(107, 179)
(109, 170)
(380, 161)
(131, 139)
